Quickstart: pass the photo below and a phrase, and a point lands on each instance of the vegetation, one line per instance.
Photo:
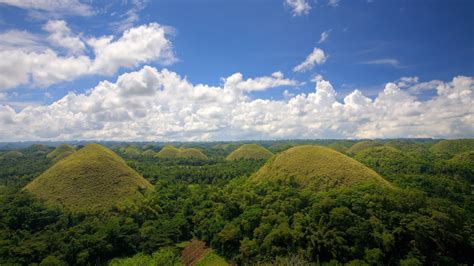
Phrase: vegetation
(132, 151)
(11, 155)
(61, 152)
(168, 151)
(250, 151)
(449, 148)
(149, 153)
(426, 217)
(92, 178)
(318, 168)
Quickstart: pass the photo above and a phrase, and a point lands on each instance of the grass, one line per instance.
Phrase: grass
(90, 179)
(360, 146)
(449, 148)
(250, 151)
(211, 259)
(132, 151)
(188, 153)
(317, 168)
(61, 152)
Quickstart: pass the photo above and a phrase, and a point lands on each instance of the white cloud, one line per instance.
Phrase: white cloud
(40, 65)
(385, 61)
(61, 35)
(333, 3)
(160, 105)
(298, 7)
(317, 56)
(324, 36)
(72, 7)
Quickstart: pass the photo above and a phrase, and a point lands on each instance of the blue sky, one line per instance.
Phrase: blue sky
(368, 44)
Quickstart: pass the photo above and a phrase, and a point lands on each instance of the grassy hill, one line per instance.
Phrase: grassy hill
(188, 153)
(132, 151)
(11, 155)
(191, 153)
(318, 168)
(360, 146)
(250, 151)
(61, 152)
(92, 178)
(168, 151)
(449, 148)
(149, 153)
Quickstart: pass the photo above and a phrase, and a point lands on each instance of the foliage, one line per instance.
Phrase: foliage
(164, 256)
(449, 148)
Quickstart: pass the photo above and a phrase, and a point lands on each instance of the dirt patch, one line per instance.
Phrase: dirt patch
(195, 251)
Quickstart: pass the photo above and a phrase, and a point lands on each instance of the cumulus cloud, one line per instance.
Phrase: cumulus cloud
(70, 7)
(298, 7)
(317, 56)
(61, 35)
(160, 105)
(38, 64)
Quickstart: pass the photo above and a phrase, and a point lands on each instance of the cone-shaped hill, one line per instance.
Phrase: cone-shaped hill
(250, 151)
(92, 178)
(188, 153)
(317, 168)
(61, 152)
(363, 145)
(191, 153)
(167, 151)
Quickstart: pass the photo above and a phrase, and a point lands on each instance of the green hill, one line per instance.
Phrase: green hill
(149, 153)
(168, 151)
(279, 147)
(11, 155)
(92, 178)
(188, 153)
(388, 160)
(60, 152)
(191, 153)
(360, 146)
(250, 151)
(318, 168)
(461, 165)
(449, 148)
(132, 151)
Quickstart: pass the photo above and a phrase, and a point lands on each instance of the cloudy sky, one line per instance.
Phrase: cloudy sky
(235, 69)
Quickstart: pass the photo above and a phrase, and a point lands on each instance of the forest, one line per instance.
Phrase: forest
(424, 216)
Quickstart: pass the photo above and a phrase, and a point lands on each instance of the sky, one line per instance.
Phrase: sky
(212, 70)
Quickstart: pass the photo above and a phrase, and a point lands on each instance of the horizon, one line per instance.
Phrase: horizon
(153, 71)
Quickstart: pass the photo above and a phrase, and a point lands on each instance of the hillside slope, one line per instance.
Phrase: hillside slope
(318, 168)
(91, 178)
(250, 151)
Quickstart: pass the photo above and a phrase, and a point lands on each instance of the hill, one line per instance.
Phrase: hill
(132, 151)
(191, 153)
(168, 151)
(279, 147)
(449, 148)
(318, 168)
(61, 152)
(149, 153)
(92, 178)
(388, 160)
(188, 153)
(250, 151)
(11, 155)
(360, 146)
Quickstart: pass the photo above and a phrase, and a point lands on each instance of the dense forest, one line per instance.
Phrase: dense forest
(426, 216)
